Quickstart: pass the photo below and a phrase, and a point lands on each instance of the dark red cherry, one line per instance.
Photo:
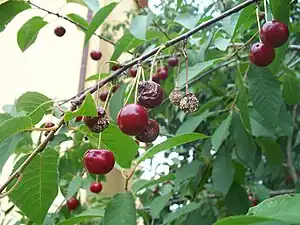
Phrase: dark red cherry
(173, 61)
(103, 96)
(99, 161)
(132, 119)
(96, 187)
(72, 203)
(150, 133)
(49, 125)
(60, 31)
(253, 201)
(115, 88)
(116, 67)
(96, 55)
(78, 118)
(133, 71)
(162, 72)
(156, 78)
(261, 54)
(150, 94)
(274, 33)
(97, 124)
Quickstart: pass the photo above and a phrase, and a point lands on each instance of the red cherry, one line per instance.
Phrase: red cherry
(253, 201)
(115, 67)
(261, 54)
(72, 203)
(274, 33)
(78, 118)
(132, 119)
(103, 96)
(49, 125)
(162, 72)
(115, 88)
(96, 55)
(60, 31)
(96, 187)
(173, 61)
(156, 78)
(150, 133)
(99, 161)
(133, 71)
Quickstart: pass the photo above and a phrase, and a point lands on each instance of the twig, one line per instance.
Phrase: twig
(12, 189)
(42, 129)
(282, 192)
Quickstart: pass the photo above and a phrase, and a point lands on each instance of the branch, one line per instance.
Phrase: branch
(282, 192)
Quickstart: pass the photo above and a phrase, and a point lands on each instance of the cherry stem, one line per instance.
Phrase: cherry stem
(137, 83)
(108, 97)
(257, 17)
(186, 67)
(97, 178)
(99, 140)
(42, 129)
(266, 10)
(154, 59)
(178, 72)
(132, 87)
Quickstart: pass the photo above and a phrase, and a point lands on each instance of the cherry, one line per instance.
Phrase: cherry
(150, 133)
(156, 78)
(162, 72)
(99, 161)
(96, 187)
(133, 71)
(96, 55)
(97, 124)
(60, 31)
(132, 119)
(49, 125)
(274, 33)
(253, 201)
(78, 118)
(150, 94)
(103, 96)
(115, 88)
(261, 54)
(115, 67)
(173, 61)
(72, 203)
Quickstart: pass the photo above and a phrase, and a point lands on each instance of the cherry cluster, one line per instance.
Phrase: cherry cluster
(273, 34)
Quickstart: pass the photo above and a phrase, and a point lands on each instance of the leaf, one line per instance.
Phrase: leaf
(272, 151)
(281, 10)
(187, 20)
(283, 208)
(35, 105)
(187, 171)
(192, 123)
(139, 25)
(116, 102)
(246, 220)
(247, 14)
(158, 204)
(79, 20)
(179, 2)
(38, 186)
(290, 92)
(96, 77)
(98, 19)
(170, 143)
(121, 210)
(236, 200)
(85, 216)
(261, 127)
(7, 147)
(87, 108)
(265, 93)
(297, 141)
(223, 172)
(9, 10)
(29, 32)
(140, 184)
(221, 133)
(125, 43)
(80, 2)
(74, 186)
(13, 126)
(4, 117)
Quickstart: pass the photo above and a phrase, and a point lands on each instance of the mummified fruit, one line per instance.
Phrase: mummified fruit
(176, 96)
(99, 161)
(97, 124)
(150, 94)
(150, 133)
(189, 103)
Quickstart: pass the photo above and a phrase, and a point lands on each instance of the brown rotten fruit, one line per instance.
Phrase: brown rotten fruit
(150, 133)
(189, 103)
(97, 124)
(150, 94)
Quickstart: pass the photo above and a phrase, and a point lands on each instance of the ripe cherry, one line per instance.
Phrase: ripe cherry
(133, 71)
(60, 31)
(173, 61)
(253, 201)
(274, 33)
(78, 118)
(150, 133)
(96, 55)
(96, 187)
(162, 72)
(132, 119)
(261, 54)
(150, 94)
(103, 96)
(72, 203)
(49, 125)
(97, 124)
(156, 78)
(115, 88)
(99, 161)
(115, 67)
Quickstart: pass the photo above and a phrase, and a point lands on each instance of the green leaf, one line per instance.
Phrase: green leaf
(283, 208)
(140, 184)
(221, 133)
(74, 186)
(187, 171)
(187, 20)
(38, 186)
(247, 14)
(87, 108)
(29, 32)
(236, 200)
(297, 141)
(98, 19)
(245, 220)
(80, 2)
(158, 204)
(192, 123)
(9, 10)
(79, 20)
(223, 172)
(35, 105)
(170, 143)
(179, 2)
(85, 216)
(116, 102)
(139, 25)
(272, 151)
(13, 126)
(96, 77)
(7, 147)
(4, 117)
(281, 10)
(125, 43)
(121, 210)
(265, 93)
(290, 90)
(261, 127)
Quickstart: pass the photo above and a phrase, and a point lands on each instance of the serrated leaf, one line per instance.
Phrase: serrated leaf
(236, 200)
(261, 127)
(139, 25)
(85, 216)
(74, 186)
(272, 151)
(98, 19)
(291, 86)
(247, 220)
(38, 186)
(4, 117)
(170, 143)
(187, 20)
(116, 102)
(158, 204)
(121, 210)
(29, 32)
(221, 133)
(87, 108)
(35, 105)
(187, 171)
(265, 93)
(9, 10)
(79, 20)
